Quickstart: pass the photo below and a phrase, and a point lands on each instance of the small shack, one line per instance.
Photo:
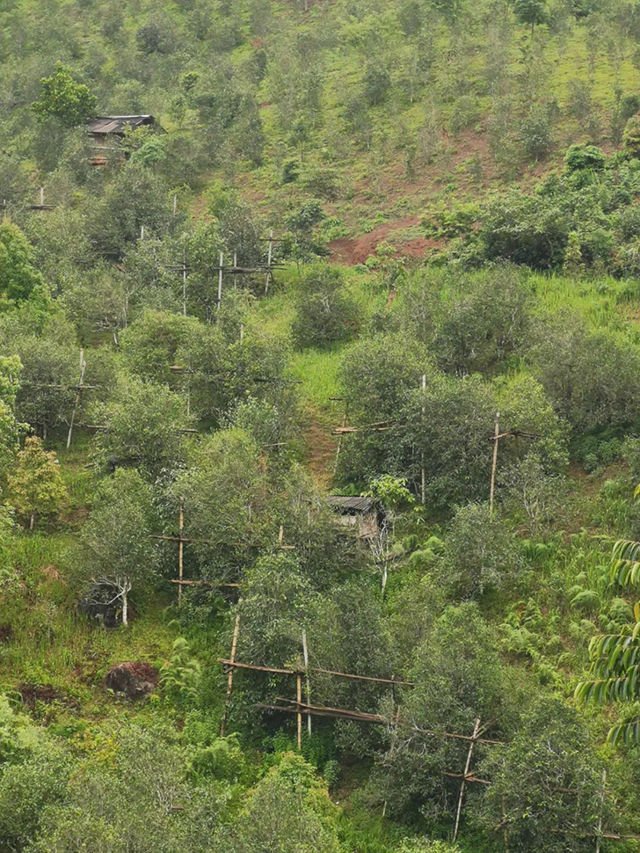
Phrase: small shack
(106, 133)
(364, 516)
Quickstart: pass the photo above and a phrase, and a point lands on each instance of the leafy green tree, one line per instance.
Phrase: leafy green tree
(590, 376)
(27, 789)
(140, 426)
(115, 549)
(224, 489)
(460, 678)
(480, 553)
(531, 12)
(546, 784)
(36, 487)
(631, 137)
(288, 811)
(64, 98)
(18, 276)
(325, 312)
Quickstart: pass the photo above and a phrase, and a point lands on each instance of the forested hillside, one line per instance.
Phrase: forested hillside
(319, 426)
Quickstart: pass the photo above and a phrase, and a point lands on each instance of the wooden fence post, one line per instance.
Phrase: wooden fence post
(232, 658)
(467, 765)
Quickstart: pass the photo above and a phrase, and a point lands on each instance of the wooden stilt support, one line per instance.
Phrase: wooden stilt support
(466, 773)
(232, 657)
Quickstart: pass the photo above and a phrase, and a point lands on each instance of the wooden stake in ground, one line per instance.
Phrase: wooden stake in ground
(466, 773)
(299, 703)
(305, 654)
(232, 658)
(83, 365)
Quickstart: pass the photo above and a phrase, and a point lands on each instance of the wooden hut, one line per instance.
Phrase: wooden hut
(106, 133)
(364, 516)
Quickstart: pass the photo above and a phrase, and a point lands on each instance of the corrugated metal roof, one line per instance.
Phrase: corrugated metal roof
(354, 503)
(117, 124)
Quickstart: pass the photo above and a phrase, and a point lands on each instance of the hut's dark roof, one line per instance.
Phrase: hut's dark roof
(351, 503)
(117, 124)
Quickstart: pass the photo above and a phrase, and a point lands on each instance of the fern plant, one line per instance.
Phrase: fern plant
(181, 675)
(615, 657)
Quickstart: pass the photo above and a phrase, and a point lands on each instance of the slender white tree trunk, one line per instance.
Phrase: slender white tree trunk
(125, 605)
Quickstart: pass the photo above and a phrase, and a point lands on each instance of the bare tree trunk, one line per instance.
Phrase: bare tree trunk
(32, 521)
(125, 608)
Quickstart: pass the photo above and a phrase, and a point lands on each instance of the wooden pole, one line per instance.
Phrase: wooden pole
(466, 773)
(305, 654)
(180, 551)
(220, 280)
(184, 281)
(423, 483)
(281, 534)
(41, 196)
(235, 264)
(142, 232)
(232, 657)
(599, 828)
(269, 257)
(175, 203)
(494, 465)
(299, 703)
(83, 365)
(344, 425)
(505, 825)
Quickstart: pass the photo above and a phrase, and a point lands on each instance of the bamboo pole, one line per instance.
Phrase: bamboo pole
(423, 481)
(299, 701)
(232, 657)
(83, 366)
(305, 655)
(184, 281)
(466, 773)
(180, 551)
(494, 464)
(269, 257)
(599, 828)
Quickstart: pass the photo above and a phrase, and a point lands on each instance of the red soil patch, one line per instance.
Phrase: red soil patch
(358, 249)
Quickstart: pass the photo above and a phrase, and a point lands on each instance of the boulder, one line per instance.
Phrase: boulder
(136, 679)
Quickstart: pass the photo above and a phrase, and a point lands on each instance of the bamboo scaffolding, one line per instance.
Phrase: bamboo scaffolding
(318, 669)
